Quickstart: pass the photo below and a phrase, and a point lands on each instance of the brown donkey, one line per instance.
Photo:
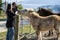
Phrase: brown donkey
(40, 23)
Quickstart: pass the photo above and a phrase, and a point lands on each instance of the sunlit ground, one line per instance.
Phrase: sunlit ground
(22, 30)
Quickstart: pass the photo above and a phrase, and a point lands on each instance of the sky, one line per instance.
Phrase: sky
(34, 3)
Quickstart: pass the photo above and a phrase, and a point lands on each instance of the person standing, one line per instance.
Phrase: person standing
(9, 24)
(14, 7)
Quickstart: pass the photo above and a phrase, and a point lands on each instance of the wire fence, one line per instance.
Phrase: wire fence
(22, 27)
(25, 26)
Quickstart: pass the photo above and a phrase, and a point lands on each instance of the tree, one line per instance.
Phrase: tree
(0, 6)
(20, 7)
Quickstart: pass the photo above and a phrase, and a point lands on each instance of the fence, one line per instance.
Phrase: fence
(22, 27)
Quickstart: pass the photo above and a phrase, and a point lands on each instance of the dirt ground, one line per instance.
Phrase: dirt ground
(33, 37)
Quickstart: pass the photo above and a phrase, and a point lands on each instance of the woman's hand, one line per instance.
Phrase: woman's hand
(16, 12)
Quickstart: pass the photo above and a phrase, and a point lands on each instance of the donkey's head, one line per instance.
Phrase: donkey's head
(26, 12)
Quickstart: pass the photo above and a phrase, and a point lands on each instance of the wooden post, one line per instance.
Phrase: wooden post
(16, 27)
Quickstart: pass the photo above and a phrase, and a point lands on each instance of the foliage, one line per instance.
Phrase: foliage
(20, 7)
(0, 6)
(3, 35)
(1, 12)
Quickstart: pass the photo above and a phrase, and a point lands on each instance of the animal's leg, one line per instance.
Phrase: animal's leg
(40, 36)
(37, 34)
(50, 32)
(57, 31)
(38, 31)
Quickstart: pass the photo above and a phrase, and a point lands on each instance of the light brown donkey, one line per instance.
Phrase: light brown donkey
(40, 23)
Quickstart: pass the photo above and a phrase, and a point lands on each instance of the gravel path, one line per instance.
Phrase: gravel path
(2, 26)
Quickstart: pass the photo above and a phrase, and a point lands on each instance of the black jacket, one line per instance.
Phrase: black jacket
(15, 9)
(10, 19)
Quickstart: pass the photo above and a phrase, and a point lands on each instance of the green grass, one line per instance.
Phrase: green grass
(2, 35)
(26, 29)
(2, 15)
(22, 30)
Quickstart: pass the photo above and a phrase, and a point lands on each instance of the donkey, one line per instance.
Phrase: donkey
(40, 23)
(44, 12)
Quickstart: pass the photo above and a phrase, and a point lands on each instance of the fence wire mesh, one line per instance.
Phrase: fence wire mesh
(25, 28)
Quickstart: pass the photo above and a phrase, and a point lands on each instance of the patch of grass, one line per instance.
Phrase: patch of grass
(26, 29)
(2, 35)
(3, 17)
(22, 30)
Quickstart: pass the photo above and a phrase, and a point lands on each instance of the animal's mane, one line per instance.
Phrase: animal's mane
(44, 12)
(36, 15)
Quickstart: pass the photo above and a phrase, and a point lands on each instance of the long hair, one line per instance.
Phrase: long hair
(8, 7)
(13, 3)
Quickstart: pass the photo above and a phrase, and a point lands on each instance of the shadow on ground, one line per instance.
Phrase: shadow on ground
(33, 37)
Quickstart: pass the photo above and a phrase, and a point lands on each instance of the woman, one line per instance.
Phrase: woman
(14, 7)
(9, 23)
